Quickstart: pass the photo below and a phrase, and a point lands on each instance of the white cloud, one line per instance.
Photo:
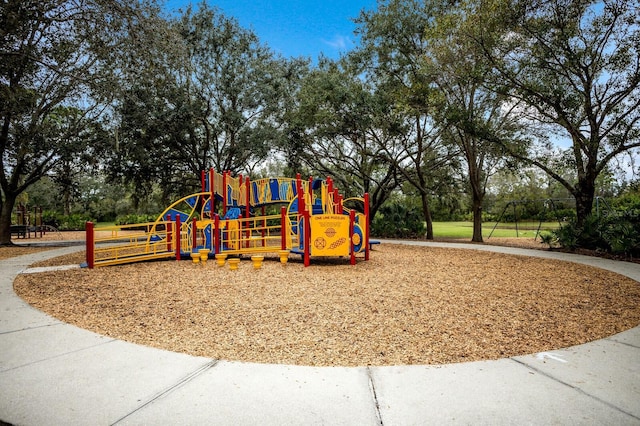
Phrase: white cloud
(339, 42)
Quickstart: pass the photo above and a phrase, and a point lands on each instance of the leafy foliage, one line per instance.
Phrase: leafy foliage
(575, 67)
(204, 93)
(397, 219)
(56, 76)
(131, 219)
(616, 233)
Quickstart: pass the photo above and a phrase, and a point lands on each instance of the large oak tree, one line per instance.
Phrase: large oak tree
(575, 64)
(56, 75)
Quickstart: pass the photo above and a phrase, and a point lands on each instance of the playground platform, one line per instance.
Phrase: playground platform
(55, 373)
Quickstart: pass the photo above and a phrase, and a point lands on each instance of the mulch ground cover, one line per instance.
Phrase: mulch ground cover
(407, 305)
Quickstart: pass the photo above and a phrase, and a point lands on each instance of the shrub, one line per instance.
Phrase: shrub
(548, 238)
(74, 222)
(132, 219)
(617, 233)
(397, 220)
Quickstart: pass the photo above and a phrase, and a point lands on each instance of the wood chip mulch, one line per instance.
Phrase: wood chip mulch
(407, 305)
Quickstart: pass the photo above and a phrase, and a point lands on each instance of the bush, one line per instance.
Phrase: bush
(132, 219)
(548, 238)
(623, 238)
(615, 232)
(74, 222)
(397, 220)
(51, 218)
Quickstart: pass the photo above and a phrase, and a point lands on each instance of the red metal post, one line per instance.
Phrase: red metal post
(307, 238)
(330, 193)
(283, 228)
(194, 234)
(212, 192)
(337, 198)
(367, 224)
(352, 221)
(247, 196)
(90, 247)
(216, 233)
(178, 236)
(202, 180)
(225, 181)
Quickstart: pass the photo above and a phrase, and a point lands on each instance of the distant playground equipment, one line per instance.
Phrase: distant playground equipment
(549, 205)
(229, 218)
(28, 223)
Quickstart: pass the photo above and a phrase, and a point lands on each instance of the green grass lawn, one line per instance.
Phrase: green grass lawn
(105, 224)
(503, 230)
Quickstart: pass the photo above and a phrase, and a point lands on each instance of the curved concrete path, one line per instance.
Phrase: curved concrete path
(52, 373)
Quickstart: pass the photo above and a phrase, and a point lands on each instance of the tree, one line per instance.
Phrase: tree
(345, 121)
(393, 47)
(212, 101)
(575, 65)
(464, 108)
(77, 156)
(54, 59)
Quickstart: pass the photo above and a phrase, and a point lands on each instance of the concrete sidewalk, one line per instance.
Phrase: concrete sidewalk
(53, 373)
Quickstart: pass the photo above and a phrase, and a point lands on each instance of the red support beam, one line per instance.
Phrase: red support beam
(352, 221)
(212, 192)
(307, 238)
(247, 196)
(90, 246)
(178, 236)
(194, 234)
(283, 228)
(367, 225)
(310, 207)
(216, 233)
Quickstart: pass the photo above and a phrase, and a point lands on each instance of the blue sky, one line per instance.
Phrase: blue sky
(295, 28)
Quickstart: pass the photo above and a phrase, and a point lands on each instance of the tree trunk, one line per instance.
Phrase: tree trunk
(66, 202)
(584, 195)
(5, 219)
(477, 195)
(477, 218)
(426, 210)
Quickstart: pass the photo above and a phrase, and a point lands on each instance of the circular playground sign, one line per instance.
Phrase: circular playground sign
(330, 232)
(319, 243)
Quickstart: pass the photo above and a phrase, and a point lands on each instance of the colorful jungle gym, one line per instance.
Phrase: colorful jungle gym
(313, 220)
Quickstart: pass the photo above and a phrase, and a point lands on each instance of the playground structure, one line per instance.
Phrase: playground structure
(27, 223)
(236, 216)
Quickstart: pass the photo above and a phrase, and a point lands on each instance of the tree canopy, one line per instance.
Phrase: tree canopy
(575, 66)
(56, 76)
(438, 95)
